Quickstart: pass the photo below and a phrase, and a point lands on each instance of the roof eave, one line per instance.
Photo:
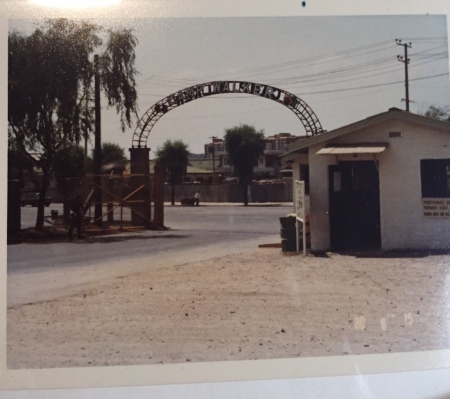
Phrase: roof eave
(297, 146)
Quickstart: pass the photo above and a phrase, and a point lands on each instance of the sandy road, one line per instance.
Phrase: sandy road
(24, 288)
(252, 305)
(38, 272)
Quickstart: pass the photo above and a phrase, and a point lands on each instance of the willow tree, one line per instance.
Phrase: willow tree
(173, 157)
(244, 146)
(51, 88)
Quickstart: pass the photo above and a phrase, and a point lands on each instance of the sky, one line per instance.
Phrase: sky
(344, 68)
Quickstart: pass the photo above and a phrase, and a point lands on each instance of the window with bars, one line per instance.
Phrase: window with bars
(435, 178)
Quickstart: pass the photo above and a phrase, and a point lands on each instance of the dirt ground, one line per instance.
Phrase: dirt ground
(260, 305)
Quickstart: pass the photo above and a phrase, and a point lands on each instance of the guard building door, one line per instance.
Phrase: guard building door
(354, 205)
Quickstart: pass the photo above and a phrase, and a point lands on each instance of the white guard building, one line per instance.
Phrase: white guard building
(382, 182)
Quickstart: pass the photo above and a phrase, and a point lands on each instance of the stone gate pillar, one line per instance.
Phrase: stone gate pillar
(140, 165)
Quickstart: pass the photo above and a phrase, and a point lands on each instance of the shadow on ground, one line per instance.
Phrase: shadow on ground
(105, 235)
(378, 253)
(115, 238)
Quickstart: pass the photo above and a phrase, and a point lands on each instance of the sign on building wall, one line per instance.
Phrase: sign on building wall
(436, 207)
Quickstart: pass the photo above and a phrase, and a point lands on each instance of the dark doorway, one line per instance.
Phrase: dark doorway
(354, 205)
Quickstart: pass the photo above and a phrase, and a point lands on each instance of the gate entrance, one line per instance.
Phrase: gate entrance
(124, 200)
(140, 152)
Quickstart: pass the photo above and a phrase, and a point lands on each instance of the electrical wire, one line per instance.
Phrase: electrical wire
(342, 74)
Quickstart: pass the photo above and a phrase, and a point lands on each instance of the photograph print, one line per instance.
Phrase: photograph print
(186, 190)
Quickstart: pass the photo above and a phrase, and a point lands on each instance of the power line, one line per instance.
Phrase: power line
(289, 65)
(342, 74)
(355, 88)
(246, 97)
(277, 66)
(364, 69)
(376, 85)
(225, 96)
(365, 74)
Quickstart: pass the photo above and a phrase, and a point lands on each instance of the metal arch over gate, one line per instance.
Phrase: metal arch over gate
(296, 105)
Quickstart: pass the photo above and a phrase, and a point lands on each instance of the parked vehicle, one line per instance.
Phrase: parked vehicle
(33, 199)
(188, 201)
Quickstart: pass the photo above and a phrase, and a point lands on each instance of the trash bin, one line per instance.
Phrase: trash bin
(288, 234)
(54, 214)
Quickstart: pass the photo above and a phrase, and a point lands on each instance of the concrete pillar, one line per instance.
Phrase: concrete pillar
(140, 165)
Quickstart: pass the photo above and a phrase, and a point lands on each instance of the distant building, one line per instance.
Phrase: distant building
(269, 165)
(194, 173)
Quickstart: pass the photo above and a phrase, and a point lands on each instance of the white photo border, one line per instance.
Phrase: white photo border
(220, 371)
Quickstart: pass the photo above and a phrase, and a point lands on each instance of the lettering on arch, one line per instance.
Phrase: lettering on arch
(153, 114)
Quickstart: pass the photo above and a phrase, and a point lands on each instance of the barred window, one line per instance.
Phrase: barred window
(435, 177)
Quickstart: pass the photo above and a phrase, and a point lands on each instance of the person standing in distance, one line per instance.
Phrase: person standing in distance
(197, 197)
(76, 216)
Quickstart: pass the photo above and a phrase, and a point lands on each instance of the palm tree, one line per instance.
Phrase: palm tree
(112, 155)
(244, 146)
(173, 156)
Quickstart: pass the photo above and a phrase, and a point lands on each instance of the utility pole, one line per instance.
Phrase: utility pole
(86, 130)
(405, 60)
(97, 147)
(213, 152)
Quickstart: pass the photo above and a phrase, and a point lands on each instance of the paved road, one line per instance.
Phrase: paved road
(44, 271)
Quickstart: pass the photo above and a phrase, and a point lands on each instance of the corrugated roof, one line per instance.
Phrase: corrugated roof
(365, 148)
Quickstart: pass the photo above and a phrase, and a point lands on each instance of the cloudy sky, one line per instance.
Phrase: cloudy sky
(344, 68)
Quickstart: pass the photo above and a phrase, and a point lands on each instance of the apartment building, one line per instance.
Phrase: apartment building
(269, 164)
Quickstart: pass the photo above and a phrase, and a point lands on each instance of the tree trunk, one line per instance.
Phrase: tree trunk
(173, 194)
(41, 204)
(66, 201)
